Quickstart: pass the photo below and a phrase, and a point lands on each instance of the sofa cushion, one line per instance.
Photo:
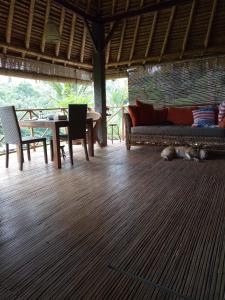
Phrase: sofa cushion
(146, 113)
(134, 114)
(160, 116)
(221, 113)
(178, 130)
(180, 115)
(204, 117)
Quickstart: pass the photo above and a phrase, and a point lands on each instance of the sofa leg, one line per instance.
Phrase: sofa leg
(128, 145)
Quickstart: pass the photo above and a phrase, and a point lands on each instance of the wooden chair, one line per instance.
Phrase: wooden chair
(12, 135)
(77, 114)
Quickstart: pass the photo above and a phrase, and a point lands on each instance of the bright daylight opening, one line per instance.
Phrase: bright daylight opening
(37, 98)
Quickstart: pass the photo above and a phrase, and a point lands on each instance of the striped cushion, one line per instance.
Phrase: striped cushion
(203, 117)
(221, 113)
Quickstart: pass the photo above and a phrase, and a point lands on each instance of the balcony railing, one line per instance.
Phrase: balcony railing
(115, 115)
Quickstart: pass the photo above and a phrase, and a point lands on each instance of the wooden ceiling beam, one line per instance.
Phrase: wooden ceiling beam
(110, 34)
(135, 33)
(108, 41)
(167, 32)
(123, 32)
(43, 40)
(154, 22)
(188, 28)
(189, 54)
(145, 9)
(76, 10)
(72, 30)
(10, 21)
(29, 25)
(206, 42)
(86, 26)
(45, 56)
(62, 18)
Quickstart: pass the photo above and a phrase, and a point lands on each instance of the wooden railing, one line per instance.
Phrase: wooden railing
(115, 115)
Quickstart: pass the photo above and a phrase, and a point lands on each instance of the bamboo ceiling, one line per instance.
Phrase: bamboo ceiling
(141, 31)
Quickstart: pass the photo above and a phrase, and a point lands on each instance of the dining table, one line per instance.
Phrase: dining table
(54, 126)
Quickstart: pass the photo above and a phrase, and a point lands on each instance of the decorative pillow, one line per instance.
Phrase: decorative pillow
(146, 113)
(222, 123)
(134, 114)
(160, 116)
(221, 113)
(204, 117)
(181, 115)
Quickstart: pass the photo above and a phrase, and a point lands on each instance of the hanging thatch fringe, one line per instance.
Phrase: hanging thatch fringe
(13, 66)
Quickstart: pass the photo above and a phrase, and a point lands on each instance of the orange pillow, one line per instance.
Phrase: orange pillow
(222, 123)
(180, 115)
(146, 113)
(134, 114)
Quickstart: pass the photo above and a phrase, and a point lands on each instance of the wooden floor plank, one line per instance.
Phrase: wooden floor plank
(160, 225)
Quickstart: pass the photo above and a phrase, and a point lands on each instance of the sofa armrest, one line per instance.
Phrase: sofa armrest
(128, 125)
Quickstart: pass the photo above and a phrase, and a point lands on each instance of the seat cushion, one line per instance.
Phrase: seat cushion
(178, 130)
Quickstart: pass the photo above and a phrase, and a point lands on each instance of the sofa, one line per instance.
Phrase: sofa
(170, 129)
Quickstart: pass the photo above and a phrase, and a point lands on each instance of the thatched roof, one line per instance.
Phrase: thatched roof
(142, 31)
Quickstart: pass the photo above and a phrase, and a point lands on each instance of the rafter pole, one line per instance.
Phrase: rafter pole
(108, 43)
(168, 31)
(89, 30)
(73, 24)
(10, 21)
(110, 34)
(145, 9)
(84, 34)
(46, 21)
(188, 28)
(122, 33)
(62, 18)
(154, 22)
(29, 25)
(206, 42)
(135, 33)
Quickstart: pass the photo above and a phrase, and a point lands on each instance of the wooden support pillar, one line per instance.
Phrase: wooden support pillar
(99, 80)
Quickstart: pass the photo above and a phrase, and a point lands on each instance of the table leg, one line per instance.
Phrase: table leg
(56, 146)
(90, 137)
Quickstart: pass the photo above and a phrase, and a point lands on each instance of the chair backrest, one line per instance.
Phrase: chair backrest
(10, 125)
(77, 121)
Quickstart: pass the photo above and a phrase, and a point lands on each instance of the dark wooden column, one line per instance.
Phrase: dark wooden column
(99, 79)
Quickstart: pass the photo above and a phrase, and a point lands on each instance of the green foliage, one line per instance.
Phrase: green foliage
(68, 93)
(116, 92)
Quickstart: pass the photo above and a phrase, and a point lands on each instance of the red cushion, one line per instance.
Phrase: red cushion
(222, 123)
(160, 115)
(134, 114)
(146, 113)
(180, 115)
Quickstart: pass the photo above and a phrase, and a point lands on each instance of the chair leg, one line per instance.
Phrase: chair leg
(6, 155)
(28, 151)
(118, 131)
(84, 142)
(45, 151)
(21, 158)
(51, 150)
(112, 133)
(70, 151)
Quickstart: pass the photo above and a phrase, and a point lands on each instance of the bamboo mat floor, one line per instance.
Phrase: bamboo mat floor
(125, 225)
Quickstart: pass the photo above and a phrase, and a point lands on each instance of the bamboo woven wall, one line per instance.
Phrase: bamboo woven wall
(186, 83)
